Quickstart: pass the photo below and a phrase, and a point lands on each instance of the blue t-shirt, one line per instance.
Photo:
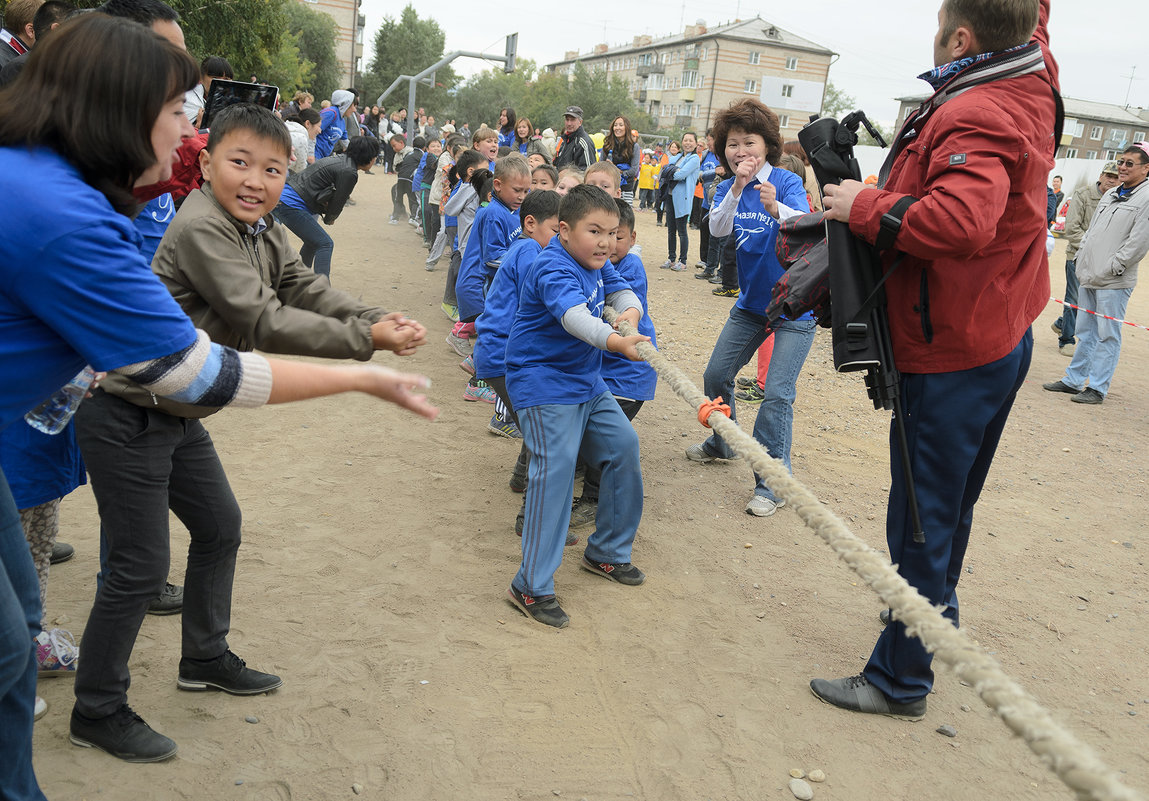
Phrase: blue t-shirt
(417, 178)
(756, 231)
(493, 231)
(74, 289)
(507, 139)
(545, 364)
(152, 221)
(707, 175)
(624, 378)
(502, 301)
(332, 130)
(292, 200)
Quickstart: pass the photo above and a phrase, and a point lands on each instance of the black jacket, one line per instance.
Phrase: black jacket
(326, 185)
(577, 150)
(410, 163)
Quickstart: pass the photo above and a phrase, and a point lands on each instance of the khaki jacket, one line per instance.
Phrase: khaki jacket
(1081, 208)
(249, 291)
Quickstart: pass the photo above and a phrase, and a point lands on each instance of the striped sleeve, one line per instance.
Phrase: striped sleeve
(206, 374)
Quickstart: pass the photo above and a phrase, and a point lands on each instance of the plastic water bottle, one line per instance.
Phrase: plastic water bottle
(53, 414)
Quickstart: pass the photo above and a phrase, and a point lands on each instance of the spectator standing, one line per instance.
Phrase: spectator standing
(1117, 240)
(575, 148)
(1081, 207)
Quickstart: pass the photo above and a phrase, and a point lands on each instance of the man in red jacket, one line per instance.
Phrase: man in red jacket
(966, 177)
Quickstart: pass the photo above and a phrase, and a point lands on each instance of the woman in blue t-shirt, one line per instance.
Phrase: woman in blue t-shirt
(507, 121)
(74, 290)
(750, 206)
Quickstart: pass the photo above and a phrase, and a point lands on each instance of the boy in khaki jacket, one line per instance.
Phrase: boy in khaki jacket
(230, 267)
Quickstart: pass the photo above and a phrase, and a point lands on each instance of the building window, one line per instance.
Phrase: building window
(1095, 132)
(784, 121)
(1092, 154)
(1118, 133)
(701, 81)
(690, 79)
(1110, 155)
(702, 54)
(755, 56)
(787, 90)
(1071, 153)
(751, 86)
(1078, 129)
(1138, 136)
(792, 63)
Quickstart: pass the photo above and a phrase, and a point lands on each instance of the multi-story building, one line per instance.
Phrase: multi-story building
(349, 25)
(1092, 130)
(684, 80)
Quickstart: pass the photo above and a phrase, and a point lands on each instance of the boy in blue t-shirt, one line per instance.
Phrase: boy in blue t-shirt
(496, 226)
(631, 383)
(554, 366)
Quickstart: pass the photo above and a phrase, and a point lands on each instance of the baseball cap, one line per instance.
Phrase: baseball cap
(573, 111)
(1110, 168)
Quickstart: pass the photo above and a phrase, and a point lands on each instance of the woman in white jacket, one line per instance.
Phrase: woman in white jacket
(303, 127)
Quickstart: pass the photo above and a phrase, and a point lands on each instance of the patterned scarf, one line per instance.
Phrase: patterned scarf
(940, 76)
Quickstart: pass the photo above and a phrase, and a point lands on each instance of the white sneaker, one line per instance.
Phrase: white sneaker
(56, 653)
(666, 265)
(761, 506)
(1067, 349)
(678, 266)
(40, 709)
(697, 453)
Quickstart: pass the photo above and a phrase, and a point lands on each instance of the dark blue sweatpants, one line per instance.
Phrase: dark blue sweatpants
(953, 422)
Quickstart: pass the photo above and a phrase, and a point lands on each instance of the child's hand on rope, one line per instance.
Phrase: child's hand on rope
(626, 346)
(631, 315)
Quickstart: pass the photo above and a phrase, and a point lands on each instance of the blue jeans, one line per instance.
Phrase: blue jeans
(673, 225)
(19, 625)
(739, 341)
(1098, 339)
(1069, 316)
(317, 245)
(953, 424)
(599, 433)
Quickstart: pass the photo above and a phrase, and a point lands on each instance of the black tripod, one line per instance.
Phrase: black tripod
(860, 325)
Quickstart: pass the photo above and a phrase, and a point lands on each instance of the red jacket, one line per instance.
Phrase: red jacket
(975, 274)
(186, 174)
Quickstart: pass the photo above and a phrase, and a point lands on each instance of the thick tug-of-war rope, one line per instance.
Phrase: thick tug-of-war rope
(1072, 760)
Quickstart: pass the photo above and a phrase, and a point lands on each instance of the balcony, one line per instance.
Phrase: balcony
(686, 93)
(642, 96)
(690, 64)
(649, 69)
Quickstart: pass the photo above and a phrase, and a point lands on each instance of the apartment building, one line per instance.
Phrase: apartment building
(1092, 130)
(684, 80)
(349, 24)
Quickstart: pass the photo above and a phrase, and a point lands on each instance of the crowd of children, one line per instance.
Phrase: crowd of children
(535, 256)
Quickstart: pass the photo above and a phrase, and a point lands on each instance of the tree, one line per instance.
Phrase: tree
(543, 96)
(315, 34)
(408, 46)
(838, 104)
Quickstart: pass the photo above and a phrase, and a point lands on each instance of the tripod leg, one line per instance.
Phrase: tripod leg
(907, 468)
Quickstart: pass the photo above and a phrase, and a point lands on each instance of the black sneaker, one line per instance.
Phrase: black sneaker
(123, 734)
(169, 602)
(61, 552)
(544, 609)
(572, 538)
(621, 572)
(705, 275)
(1060, 386)
(1088, 395)
(583, 512)
(228, 673)
(856, 694)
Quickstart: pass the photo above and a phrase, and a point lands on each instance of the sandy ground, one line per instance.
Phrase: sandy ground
(378, 548)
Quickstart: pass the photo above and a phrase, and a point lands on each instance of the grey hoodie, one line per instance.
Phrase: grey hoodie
(1117, 240)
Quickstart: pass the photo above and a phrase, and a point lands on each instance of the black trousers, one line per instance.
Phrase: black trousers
(143, 462)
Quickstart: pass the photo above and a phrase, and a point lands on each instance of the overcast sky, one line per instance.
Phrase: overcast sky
(882, 45)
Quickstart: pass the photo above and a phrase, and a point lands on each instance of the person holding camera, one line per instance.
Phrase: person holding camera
(960, 211)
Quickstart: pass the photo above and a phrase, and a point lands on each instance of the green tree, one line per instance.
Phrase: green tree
(543, 96)
(838, 104)
(315, 34)
(407, 46)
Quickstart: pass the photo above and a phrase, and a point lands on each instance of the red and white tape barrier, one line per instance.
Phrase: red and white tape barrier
(1099, 314)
